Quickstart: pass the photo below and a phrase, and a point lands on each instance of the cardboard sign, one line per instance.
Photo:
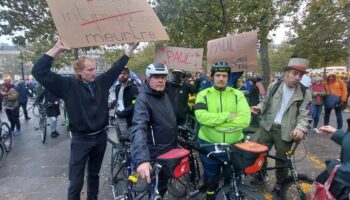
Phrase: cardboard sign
(238, 50)
(187, 59)
(83, 23)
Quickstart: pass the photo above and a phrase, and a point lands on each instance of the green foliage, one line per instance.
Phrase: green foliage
(320, 36)
(279, 57)
(26, 20)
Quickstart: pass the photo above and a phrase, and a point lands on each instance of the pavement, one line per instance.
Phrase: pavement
(37, 171)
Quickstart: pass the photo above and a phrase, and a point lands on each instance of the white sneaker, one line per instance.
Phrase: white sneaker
(315, 130)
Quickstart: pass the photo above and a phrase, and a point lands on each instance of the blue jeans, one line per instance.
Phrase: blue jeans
(316, 112)
(338, 113)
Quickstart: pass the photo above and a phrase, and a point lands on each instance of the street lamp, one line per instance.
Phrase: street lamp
(21, 61)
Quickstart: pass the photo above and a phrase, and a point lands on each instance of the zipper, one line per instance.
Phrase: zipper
(221, 100)
(153, 140)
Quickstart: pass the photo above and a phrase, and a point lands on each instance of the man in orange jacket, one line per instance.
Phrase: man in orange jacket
(337, 87)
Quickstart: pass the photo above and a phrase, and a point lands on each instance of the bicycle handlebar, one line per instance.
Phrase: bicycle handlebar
(293, 148)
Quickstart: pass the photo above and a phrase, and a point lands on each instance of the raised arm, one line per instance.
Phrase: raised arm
(43, 74)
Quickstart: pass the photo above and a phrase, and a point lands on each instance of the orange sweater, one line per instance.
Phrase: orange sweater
(337, 87)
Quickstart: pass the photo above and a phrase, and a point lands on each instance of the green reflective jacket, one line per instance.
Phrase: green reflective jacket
(213, 110)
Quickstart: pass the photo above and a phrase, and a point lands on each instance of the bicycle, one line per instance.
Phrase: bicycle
(42, 120)
(295, 184)
(6, 136)
(126, 185)
(238, 163)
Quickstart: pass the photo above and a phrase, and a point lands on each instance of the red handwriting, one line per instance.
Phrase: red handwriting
(110, 17)
(179, 57)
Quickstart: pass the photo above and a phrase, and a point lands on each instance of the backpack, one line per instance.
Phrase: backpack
(274, 90)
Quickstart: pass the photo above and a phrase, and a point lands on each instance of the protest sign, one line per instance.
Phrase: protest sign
(187, 59)
(83, 23)
(238, 50)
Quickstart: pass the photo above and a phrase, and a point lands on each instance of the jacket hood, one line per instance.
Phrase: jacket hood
(148, 90)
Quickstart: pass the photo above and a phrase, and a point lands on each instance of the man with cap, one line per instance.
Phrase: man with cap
(222, 112)
(284, 115)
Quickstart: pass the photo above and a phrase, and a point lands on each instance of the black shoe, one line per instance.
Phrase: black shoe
(28, 118)
(54, 134)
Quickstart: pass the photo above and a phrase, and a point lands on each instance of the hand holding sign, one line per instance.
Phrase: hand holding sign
(132, 47)
(57, 49)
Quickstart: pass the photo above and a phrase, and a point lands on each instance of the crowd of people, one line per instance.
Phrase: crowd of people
(148, 114)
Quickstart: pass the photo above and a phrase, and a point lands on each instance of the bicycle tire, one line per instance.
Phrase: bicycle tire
(6, 136)
(246, 192)
(43, 128)
(2, 153)
(288, 190)
(118, 177)
(35, 111)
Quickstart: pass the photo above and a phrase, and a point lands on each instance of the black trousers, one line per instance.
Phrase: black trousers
(13, 117)
(24, 107)
(90, 150)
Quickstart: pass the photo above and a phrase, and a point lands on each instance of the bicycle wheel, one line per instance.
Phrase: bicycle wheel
(245, 192)
(2, 153)
(289, 191)
(43, 127)
(6, 136)
(119, 176)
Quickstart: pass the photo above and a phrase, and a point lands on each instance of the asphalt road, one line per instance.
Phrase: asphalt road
(37, 171)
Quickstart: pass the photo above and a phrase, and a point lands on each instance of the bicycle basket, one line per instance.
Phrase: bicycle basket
(249, 156)
(175, 162)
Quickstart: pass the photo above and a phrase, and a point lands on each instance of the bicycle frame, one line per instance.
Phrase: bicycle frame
(288, 164)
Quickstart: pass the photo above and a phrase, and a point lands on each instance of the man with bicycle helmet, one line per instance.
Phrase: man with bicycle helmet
(154, 129)
(220, 108)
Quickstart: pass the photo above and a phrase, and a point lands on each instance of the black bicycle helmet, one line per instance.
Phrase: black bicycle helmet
(220, 66)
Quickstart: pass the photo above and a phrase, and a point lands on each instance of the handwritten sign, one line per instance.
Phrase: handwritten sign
(187, 59)
(83, 23)
(238, 50)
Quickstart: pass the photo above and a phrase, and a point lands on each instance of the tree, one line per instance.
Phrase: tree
(192, 23)
(279, 57)
(26, 20)
(320, 36)
(263, 16)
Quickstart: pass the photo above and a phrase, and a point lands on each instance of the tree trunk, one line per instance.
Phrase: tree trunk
(76, 54)
(264, 59)
(224, 17)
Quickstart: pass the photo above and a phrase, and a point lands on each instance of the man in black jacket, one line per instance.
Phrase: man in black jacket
(154, 129)
(86, 100)
(178, 93)
(52, 109)
(125, 95)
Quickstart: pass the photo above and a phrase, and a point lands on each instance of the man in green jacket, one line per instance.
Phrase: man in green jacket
(284, 114)
(217, 109)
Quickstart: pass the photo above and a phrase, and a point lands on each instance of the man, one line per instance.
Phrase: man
(284, 114)
(52, 109)
(178, 93)
(125, 94)
(154, 129)
(23, 93)
(338, 88)
(220, 108)
(86, 99)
